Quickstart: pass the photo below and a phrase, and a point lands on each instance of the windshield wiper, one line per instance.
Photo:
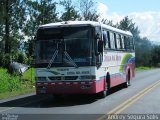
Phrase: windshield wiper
(70, 59)
(62, 44)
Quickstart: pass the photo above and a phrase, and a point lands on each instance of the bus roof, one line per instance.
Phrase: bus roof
(70, 23)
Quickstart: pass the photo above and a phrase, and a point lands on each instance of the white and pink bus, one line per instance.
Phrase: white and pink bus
(82, 57)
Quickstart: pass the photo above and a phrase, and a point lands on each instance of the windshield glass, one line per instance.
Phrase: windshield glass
(72, 41)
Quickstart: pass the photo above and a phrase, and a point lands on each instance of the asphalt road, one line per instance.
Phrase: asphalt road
(142, 97)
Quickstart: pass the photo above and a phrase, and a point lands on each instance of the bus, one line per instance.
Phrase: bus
(82, 57)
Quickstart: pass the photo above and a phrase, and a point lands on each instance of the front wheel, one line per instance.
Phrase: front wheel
(104, 93)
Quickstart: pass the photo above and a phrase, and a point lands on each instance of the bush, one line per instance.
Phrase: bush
(2, 60)
(5, 60)
(22, 58)
(8, 82)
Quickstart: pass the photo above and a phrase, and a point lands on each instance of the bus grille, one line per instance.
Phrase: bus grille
(64, 78)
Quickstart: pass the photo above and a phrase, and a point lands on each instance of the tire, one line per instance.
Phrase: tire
(127, 83)
(104, 93)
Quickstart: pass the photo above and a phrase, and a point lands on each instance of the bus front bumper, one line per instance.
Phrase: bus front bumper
(85, 87)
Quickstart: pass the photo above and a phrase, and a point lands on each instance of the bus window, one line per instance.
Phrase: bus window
(131, 43)
(118, 41)
(97, 35)
(106, 39)
(115, 41)
(127, 43)
(112, 41)
(122, 42)
(109, 41)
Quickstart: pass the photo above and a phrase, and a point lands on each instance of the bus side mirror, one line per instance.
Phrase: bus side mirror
(100, 46)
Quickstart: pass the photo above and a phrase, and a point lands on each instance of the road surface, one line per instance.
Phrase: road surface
(142, 97)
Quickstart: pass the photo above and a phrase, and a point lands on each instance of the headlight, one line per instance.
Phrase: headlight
(87, 77)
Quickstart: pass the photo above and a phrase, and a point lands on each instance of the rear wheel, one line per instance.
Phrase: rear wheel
(127, 83)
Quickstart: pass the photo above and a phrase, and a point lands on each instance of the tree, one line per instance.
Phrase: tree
(1, 30)
(109, 22)
(128, 25)
(11, 23)
(46, 12)
(143, 46)
(70, 12)
(38, 12)
(143, 52)
(2, 19)
(155, 56)
(87, 10)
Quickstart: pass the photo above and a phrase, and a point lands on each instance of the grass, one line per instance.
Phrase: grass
(29, 75)
(141, 68)
(12, 85)
(16, 93)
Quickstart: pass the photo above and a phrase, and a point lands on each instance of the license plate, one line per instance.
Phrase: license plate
(42, 91)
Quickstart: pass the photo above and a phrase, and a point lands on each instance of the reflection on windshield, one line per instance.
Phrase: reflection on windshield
(77, 44)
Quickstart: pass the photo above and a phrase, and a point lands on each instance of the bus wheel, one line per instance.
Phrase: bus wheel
(104, 93)
(127, 83)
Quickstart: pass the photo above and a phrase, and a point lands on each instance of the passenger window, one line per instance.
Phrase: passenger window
(122, 42)
(109, 40)
(118, 41)
(112, 41)
(131, 44)
(127, 43)
(106, 39)
(115, 40)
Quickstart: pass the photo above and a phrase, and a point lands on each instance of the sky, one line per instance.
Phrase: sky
(144, 13)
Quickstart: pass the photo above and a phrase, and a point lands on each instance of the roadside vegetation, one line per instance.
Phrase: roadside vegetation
(13, 84)
(142, 68)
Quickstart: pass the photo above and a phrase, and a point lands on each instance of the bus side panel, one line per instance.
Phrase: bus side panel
(100, 85)
(117, 79)
(118, 65)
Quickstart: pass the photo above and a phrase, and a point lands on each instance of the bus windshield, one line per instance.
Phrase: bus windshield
(74, 42)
